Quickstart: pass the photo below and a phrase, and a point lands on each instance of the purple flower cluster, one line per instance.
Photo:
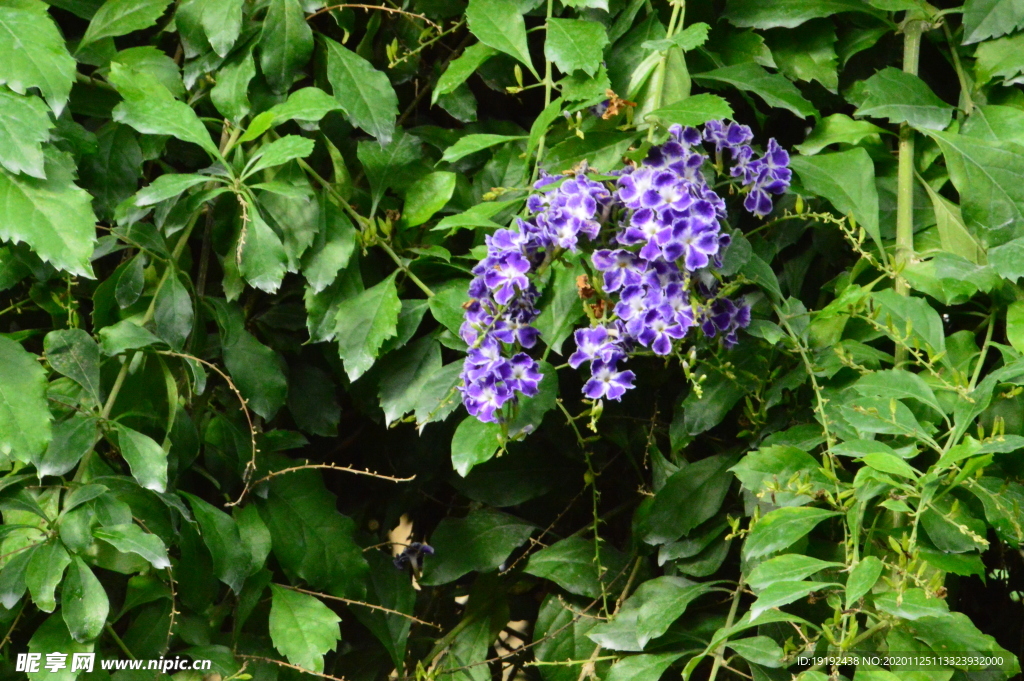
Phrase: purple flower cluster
(762, 176)
(668, 237)
(503, 304)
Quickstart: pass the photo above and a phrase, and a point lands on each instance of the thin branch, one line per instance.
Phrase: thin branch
(333, 467)
(369, 7)
(348, 601)
(290, 666)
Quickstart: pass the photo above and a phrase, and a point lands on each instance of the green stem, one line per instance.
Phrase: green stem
(548, 84)
(658, 78)
(984, 351)
(912, 31)
(965, 90)
(719, 655)
(363, 224)
(118, 641)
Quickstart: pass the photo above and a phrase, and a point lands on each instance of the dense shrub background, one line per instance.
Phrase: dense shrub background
(235, 245)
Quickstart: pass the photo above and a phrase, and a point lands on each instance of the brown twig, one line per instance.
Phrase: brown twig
(13, 625)
(382, 8)
(348, 601)
(251, 466)
(290, 666)
(332, 467)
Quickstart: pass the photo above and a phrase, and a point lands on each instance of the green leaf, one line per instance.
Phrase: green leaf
(408, 370)
(899, 384)
(278, 152)
(32, 53)
(311, 540)
(561, 306)
(263, 261)
(999, 59)
(12, 577)
(690, 496)
(73, 353)
(985, 19)
(364, 322)
(480, 542)
(53, 636)
(308, 104)
(221, 536)
(470, 144)
(837, 129)
(953, 233)
(773, 88)
(862, 578)
(601, 150)
(129, 538)
(286, 43)
(24, 413)
(426, 196)
(173, 314)
(911, 314)
(882, 415)
(383, 163)
(222, 22)
(787, 13)
(460, 69)
(902, 97)
(764, 471)
(663, 600)
(131, 282)
(364, 93)
(499, 24)
(1015, 325)
(474, 442)
(44, 572)
(118, 17)
(312, 400)
(72, 438)
(255, 368)
(912, 604)
(83, 602)
(24, 126)
(52, 216)
(783, 593)
(155, 62)
(790, 567)
(781, 528)
(847, 180)
(146, 458)
(808, 54)
(695, 110)
(331, 250)
(575, 44)
(231, 93)
(761, 650)
(641, 667)
(990, 179)
(571, 564)
(302, 628)
(151, 109)
(167, 187)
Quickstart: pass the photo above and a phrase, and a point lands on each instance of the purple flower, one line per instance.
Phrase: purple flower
(727, 136)
(726, 317)
(620, 267)
(524, 374)
(660, 329)
(769, 174)
(607, 381)
(595, 344)
(485, 397)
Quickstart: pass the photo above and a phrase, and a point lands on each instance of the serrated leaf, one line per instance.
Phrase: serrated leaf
(808, 54)
(837, 129)
(150, 108)
(280, 151)
(575, 44)
(286, 43)
(24, 126)
(480, 542)
(221, 536)
(382, 163)
(129, 538)
(231, 93)
(499, 24)
(167, 187)
(985, 19)
(470, 144)
(146, 458)
(263, 260)
(222, 22)
(84, 602)
(118, 17)
(32, 53)
(332, 248)
(302, 628)
(24, 414)
(53, 216)
(408, 371)
(364, 93)
(364, 322)
(427, 196)
(773, 88)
